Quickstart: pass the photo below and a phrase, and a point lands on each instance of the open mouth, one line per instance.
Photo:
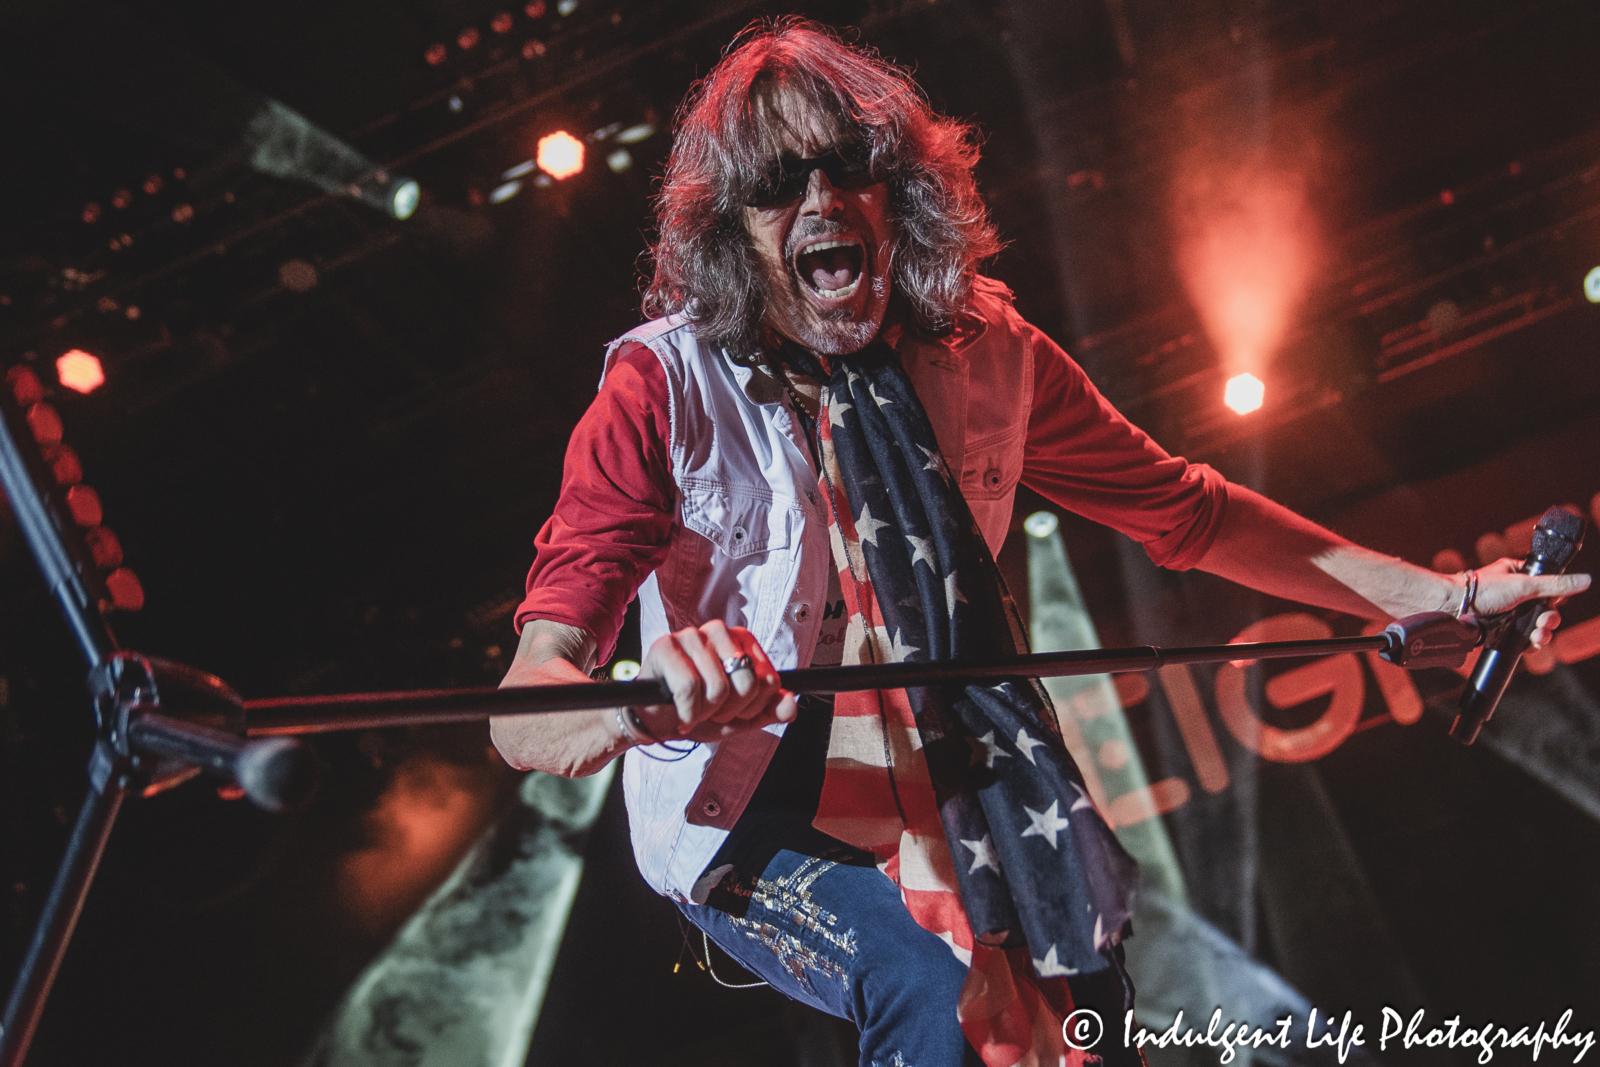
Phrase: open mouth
(832, 268)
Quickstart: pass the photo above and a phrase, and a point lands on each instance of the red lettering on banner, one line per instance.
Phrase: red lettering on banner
(1131, 807)
(1338, 675)
(1157, 798)
(1580, 641)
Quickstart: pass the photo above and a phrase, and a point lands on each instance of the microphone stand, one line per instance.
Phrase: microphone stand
(358, 711)
(160, 722)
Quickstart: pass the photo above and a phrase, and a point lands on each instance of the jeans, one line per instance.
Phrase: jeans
(817, 920)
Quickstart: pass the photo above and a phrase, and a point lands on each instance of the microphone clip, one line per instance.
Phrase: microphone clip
(1432, 639)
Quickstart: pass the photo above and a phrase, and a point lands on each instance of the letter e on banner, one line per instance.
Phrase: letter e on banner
(1337, 675)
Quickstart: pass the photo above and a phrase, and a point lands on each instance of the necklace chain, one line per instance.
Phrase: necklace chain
(782, 374)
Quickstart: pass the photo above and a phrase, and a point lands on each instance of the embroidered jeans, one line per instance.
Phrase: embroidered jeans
(817, 920)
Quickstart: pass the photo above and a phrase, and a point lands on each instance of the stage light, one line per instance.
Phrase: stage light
(636, 133)
(1041, 524)
(624, 670)
(84, 504)
(298, 276)
(532, 49)
(455, 103)
(619, 160)
(403, 200)
(468, 38)
(436, 54)
(1244, 393)
(1591, 286)
(534, 9)
(566, 7)
(560, 154)
(285, 144)
(501, 22)
(518, 171)
(79, 371)
(127, 594)
(501, 193)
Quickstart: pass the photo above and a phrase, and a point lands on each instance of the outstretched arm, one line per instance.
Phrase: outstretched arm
(1266, 546)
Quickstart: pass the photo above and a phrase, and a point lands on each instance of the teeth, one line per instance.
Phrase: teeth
(823, 246)
(834, 294)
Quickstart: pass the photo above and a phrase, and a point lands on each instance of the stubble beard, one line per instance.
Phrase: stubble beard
(831, 332)
(826, 331)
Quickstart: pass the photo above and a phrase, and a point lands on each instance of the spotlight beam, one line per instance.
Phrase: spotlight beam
(285, 144)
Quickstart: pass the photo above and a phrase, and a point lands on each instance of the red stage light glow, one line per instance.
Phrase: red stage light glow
(468, 38)
(420, 826)
(501, 23)
(560, 154)
(79, 371)
(436, 54)
(1247, 246)
(127, 593)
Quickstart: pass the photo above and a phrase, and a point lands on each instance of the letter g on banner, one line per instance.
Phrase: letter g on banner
(1339, 675)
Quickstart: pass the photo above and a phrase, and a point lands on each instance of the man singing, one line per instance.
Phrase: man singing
(811, 460)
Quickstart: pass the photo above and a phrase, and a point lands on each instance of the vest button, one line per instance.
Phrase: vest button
(991, 477)
(711, 808)
(739, 533)
(802, 612)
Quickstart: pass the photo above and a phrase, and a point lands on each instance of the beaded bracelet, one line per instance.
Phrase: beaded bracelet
(633, 730)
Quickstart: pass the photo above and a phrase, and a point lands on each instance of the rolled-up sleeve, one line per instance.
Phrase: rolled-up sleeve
(1083, 455)
(613, 522)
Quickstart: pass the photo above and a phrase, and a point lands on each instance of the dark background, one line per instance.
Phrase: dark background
(336, 489)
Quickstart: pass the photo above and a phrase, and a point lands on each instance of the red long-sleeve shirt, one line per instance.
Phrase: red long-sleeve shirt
(612, 524)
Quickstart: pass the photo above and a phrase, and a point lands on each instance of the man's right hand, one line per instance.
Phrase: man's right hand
(708, 703)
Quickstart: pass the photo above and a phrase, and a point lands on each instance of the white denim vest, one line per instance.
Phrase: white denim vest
(750, 545)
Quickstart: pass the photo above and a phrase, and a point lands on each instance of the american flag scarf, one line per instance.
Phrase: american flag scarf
(965, 793)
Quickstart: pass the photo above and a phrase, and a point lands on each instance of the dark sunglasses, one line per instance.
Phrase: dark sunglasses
(847, 168)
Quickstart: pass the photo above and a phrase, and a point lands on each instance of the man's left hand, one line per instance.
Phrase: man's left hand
(1502, 586)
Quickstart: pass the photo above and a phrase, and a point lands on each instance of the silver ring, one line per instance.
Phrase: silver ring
(736, 663)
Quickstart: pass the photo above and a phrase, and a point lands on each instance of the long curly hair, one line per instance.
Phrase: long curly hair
(728, 134)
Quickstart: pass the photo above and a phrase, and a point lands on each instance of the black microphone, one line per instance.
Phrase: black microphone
(1556, 540)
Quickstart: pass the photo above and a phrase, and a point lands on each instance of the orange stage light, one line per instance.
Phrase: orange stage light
(80, 371)
(560, 154)
(1244, 393)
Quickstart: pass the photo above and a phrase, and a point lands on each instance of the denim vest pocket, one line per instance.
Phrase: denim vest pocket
(739, 520)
